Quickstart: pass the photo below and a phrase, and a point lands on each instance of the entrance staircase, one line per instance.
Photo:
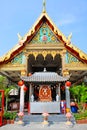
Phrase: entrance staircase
(53, 118)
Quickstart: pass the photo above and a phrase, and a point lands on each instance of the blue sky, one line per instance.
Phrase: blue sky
(18, 16)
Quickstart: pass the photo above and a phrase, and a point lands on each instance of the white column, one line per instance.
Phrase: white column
(22, 98)
(30, 92)
(67, 97)
(58, 93)
(30, 86)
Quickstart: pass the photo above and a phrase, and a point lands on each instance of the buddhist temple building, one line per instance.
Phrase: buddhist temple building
(44, 59)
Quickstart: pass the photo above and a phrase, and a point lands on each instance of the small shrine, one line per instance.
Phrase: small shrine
(44, 92)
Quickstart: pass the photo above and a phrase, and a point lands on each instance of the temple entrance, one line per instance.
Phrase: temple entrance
(44, 82)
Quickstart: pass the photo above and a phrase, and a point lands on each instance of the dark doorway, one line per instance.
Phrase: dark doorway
(38, 64)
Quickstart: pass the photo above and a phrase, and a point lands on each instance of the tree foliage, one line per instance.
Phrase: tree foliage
(3, 82)
(79, 92)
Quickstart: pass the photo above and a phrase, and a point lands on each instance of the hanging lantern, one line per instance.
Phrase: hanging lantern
(25, 88)
(20, 83)
(68, 83)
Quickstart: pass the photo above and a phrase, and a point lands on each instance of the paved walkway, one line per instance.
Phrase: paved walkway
(39, 126)
(34, 122)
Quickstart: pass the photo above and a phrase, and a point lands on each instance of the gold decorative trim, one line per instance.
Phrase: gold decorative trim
(44, 53)
(76, 66)
(23, 73)
(10, 67)
(82, 55)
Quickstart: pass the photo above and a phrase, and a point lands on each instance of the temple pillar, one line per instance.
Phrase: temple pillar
(30, 93)
(67, 97)
(58, 93)
(63, 56)
(22, 98)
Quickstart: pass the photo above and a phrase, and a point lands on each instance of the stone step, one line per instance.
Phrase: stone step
(57, 118)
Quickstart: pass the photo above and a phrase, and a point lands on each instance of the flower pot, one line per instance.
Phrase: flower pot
(8, 121)
(4, 121)
(20, 122)
(12, 121)
(82, 121)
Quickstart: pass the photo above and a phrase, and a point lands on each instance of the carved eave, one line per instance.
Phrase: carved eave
(66, 41)
(8, 56)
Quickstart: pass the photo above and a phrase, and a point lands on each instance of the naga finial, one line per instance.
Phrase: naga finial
(19, 36)
(70, 36)
(44, 6)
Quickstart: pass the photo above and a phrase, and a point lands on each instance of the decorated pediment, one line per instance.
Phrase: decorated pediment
(73, 63)
(45, 35)
(70, 58)
(19, 59)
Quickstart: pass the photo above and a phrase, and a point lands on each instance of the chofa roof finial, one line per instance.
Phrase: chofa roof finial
(44, 6)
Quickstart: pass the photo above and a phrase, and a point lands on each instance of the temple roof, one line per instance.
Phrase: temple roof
(44, 77)
(65, 40)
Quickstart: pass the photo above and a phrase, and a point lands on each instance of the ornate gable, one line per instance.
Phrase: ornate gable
(19, 59)
(45, 35)
(70, 58)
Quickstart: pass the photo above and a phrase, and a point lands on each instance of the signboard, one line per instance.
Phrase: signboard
(13, 92)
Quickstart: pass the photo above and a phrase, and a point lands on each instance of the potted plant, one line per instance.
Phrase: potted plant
(9, 117)
(6, 117)
(12, 117)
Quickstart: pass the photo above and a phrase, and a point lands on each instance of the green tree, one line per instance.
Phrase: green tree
(3, 82)
(79, 92)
